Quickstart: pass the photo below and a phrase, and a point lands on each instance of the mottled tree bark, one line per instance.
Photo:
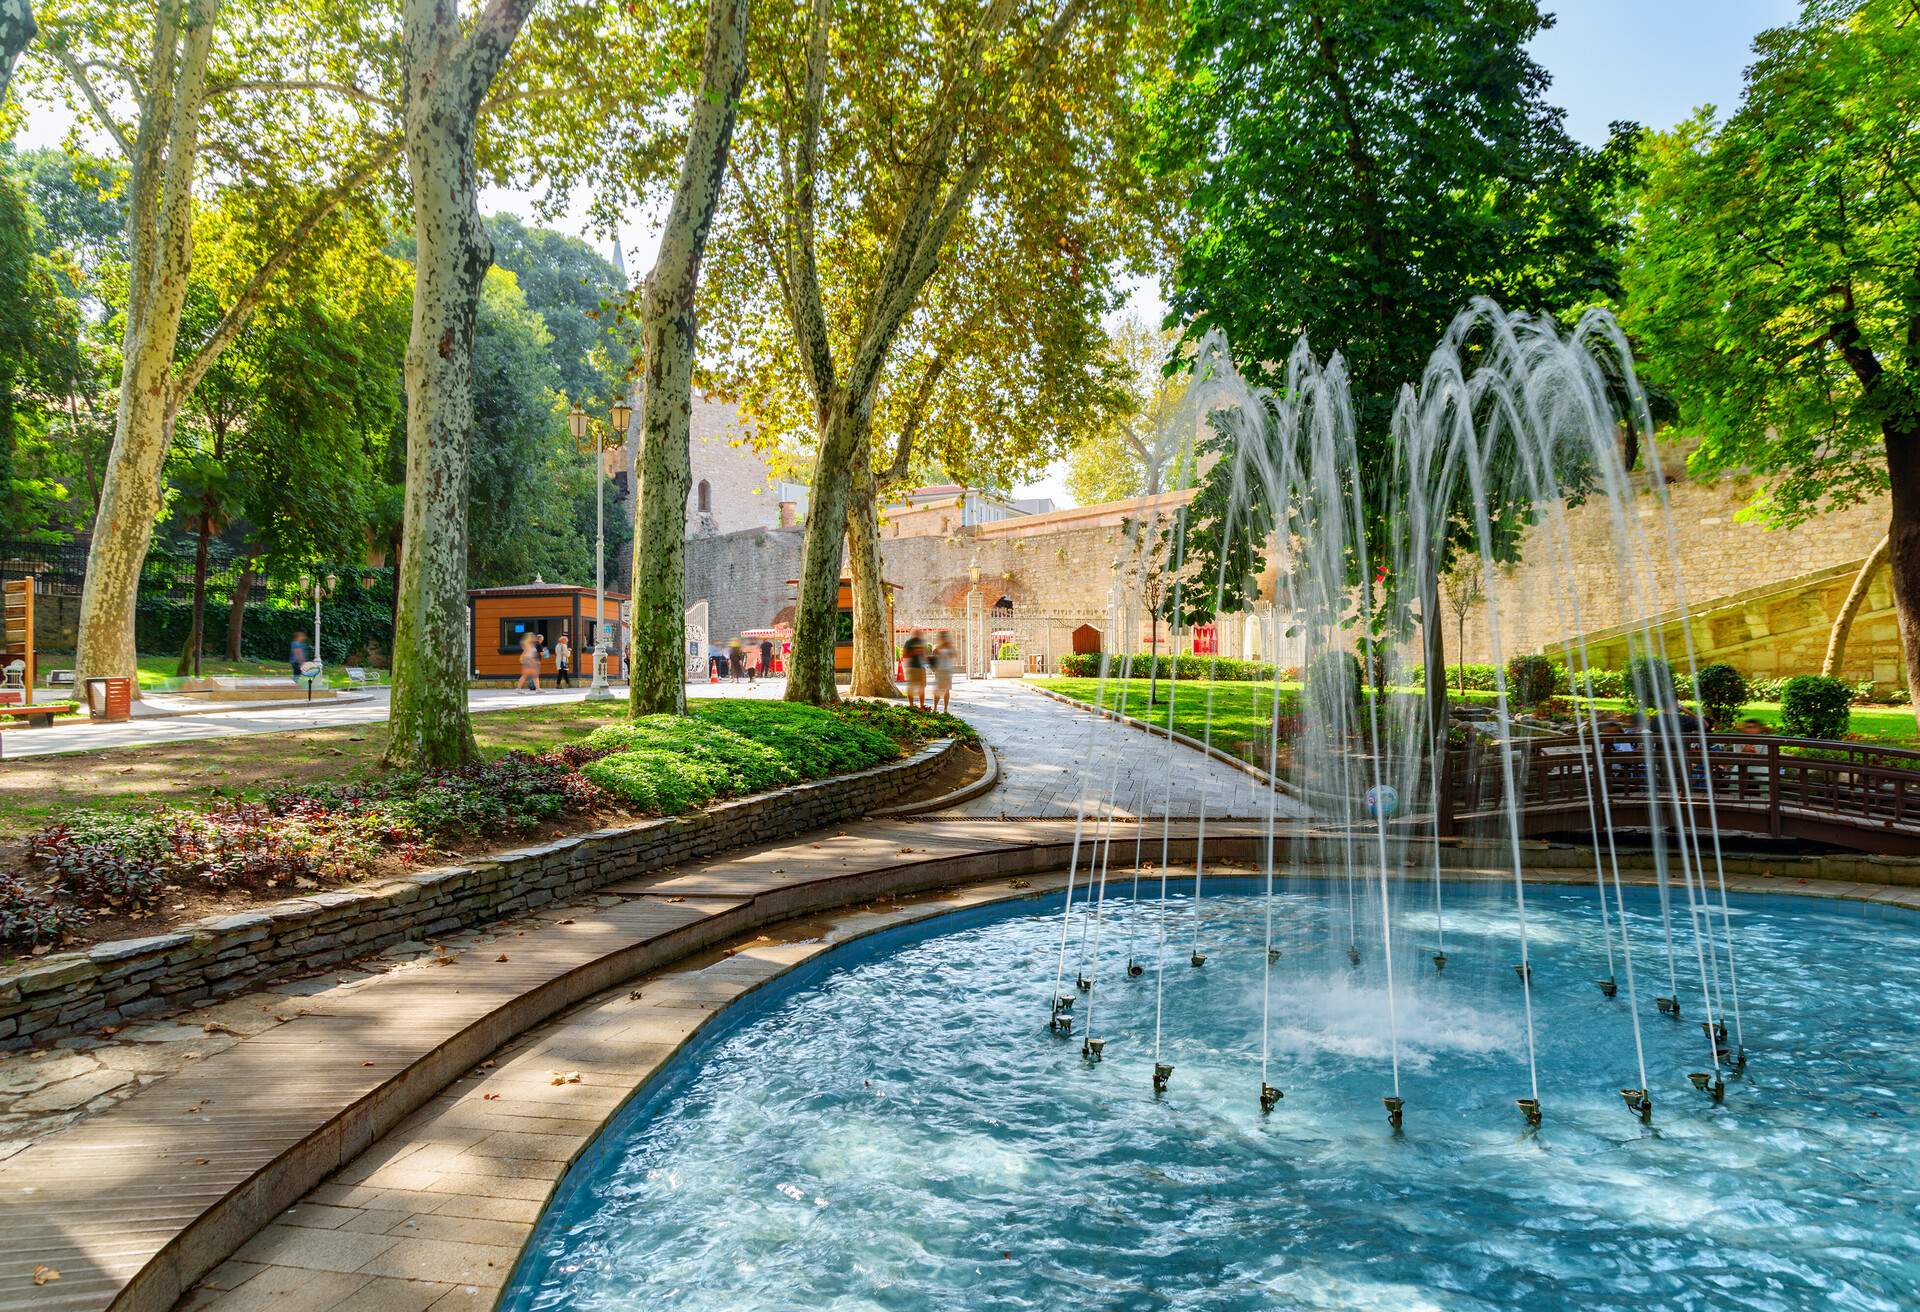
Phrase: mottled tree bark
(17, 31)
(872, 631)
(446, 78)
(669, 331)
(843, 438)
(160, 241)
(197, 629)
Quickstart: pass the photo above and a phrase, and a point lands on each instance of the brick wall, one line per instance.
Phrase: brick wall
(72, 992)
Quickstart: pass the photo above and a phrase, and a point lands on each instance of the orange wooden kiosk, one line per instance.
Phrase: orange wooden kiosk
(498, 618)
(843, 621)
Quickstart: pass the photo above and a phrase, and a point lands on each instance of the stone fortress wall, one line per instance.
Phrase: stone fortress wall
(1763, 600)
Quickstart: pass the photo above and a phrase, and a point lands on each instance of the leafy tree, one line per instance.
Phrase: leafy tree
(876, 145)
(525, 478)
(569, 285)
(1134, 453)
(1774, 276)
(660, 476)
(1358, 171)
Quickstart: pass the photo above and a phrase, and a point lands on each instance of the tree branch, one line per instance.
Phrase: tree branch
(237, 315)
(910, 426)
(478, 58)
(78, 73)
(804, 305)
(346, 89)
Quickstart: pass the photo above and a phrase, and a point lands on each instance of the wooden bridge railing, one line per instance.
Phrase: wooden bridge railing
(1784, 787)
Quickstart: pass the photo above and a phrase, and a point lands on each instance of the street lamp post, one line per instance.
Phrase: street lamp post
(578, 422)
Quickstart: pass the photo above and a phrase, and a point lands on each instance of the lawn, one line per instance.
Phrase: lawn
(1241, 711)
(157, 669)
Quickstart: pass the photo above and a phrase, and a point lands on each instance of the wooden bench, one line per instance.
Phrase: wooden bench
(39, 717)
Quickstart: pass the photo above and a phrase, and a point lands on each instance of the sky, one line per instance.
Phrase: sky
(1652, 61)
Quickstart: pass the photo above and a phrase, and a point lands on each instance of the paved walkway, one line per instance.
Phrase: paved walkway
(1051, 754)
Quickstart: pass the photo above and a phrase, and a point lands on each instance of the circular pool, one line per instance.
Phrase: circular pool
(892, 1127)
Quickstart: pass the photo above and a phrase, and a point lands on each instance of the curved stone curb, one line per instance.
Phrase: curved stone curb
(964, 793)
(1155, 731)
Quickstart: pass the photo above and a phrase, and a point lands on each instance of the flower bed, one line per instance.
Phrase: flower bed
(291, 840)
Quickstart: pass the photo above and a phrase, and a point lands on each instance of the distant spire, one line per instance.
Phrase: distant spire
(619, 257)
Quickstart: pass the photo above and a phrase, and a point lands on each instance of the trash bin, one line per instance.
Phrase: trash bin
(109, 699)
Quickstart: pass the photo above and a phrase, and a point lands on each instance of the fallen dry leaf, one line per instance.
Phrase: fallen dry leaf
(221, 1027)
(42, 1274)
(567, 921)
(501, 957)
(489, 1097)
(569, 1077)
(201, 1161)
(634, 996)
(676, 899)
(366, 1063)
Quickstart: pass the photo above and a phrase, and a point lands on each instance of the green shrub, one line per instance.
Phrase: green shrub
(814, 742)
(1530, 679)
(1722, 691)
(748, 766)
(907, 725)
(1650, 682)
(1814, 706)
(1333, 681)
(660, 782)
(28, 920)
(1008, 651)
(1227, 669)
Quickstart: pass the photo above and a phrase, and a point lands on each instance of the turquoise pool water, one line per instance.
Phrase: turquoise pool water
(890, 1127)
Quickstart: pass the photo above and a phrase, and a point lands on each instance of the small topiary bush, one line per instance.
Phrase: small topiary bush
(1530, 679)
(1814, 706)
(1333, 682)
(1650, 682)
(1721, 691)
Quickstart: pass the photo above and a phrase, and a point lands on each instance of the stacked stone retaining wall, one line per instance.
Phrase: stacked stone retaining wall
(56, 996)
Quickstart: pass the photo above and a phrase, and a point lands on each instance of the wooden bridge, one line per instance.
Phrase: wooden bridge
(1843, 794)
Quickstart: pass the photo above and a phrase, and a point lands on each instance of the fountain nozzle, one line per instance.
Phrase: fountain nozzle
(1709, 1084)
(1353, 953)
(1269, 1096)
(1197, 960)
(1525, 972)
(1668, 1006)
(1639, 1104)
(1135, 970)
(1081, 982)
(1161, 1074)
(1273, 955)
(1529, 1108)
(1394, 1107)
(1093, 1049)
(1439, 961)
(1062, 1024)
(1608, 988)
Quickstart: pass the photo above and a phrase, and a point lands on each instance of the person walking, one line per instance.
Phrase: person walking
(529, 663)
(944, 659)
(766, 656)
(563, 663)
(736, 657)
(916, 656)
(299, 653)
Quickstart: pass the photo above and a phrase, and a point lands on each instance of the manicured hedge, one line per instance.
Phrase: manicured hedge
(1142, 666)
(1814, 706)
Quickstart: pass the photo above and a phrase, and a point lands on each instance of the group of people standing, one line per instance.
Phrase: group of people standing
(738, 659)
(921, 659)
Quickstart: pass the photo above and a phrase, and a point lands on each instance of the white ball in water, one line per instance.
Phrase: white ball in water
(1383, 800)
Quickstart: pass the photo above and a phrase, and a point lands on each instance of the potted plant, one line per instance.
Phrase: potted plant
(1006, 662)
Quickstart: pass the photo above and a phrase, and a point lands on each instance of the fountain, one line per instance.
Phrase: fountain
(1350, 966)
